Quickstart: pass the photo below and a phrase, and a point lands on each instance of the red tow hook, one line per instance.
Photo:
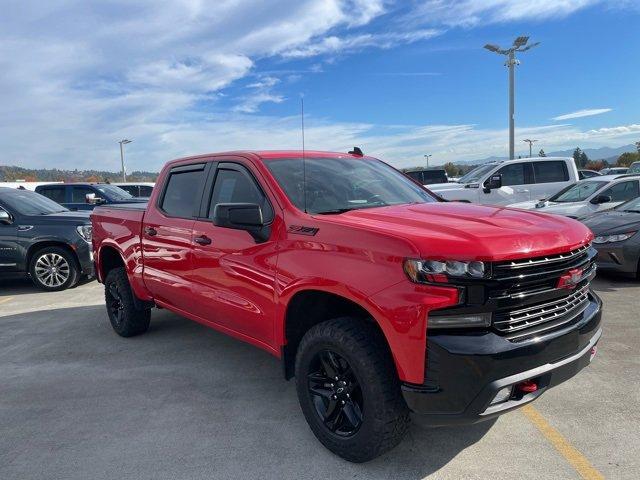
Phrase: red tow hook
(528, 386)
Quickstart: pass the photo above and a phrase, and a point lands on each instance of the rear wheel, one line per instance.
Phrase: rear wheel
(348, 389)
(54, 269)
(125, 319)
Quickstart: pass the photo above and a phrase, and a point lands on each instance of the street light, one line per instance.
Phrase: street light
(530, 142)
(519, 45)
(122, 142)
(428, 157)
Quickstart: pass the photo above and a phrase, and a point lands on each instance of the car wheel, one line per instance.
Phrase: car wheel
(54, 268)
(125, 319)
(348, 389)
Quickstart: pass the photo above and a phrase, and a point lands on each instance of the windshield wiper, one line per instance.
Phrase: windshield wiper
(335, 211)
(632, 211)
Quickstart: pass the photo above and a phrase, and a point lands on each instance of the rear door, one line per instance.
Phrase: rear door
(167, 235)
(550, 177)
(233, 275)
(9, 250)
(57, 193)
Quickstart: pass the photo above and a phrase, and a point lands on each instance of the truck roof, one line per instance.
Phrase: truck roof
(273, 154)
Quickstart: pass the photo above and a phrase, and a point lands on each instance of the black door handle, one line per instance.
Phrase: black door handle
(202, 240)
(150, 231)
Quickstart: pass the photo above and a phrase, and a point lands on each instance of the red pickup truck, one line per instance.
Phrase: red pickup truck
(383, 301)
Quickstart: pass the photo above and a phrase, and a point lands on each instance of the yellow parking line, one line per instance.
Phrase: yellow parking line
(568, 451)
(5, 300)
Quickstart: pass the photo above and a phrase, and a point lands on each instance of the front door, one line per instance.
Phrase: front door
(9, 251)
(517, 180)
(233, 274)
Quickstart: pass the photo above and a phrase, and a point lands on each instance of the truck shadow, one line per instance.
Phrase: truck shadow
(180, 401)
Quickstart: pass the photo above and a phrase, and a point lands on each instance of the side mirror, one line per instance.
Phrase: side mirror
(91, 199)
(601, 199)
(493, 182)
(5, 218)
(242, 216)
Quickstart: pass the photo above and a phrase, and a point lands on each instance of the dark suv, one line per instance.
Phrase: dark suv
(44, 240)
(85, 196)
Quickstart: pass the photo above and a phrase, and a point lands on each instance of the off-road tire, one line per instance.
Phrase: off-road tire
(126, 320)
(385, 416)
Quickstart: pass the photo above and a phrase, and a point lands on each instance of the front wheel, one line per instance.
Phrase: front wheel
(125, 319)
(54, 269)
(348, 389)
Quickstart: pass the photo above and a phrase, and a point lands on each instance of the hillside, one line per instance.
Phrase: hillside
(13, 173)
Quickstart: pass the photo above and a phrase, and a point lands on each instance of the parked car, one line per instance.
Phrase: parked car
(634, 168)
(617, 238)
(614, 171)
(43, 240)
(511, 181)
(424, 177)
(588, 196)
(350, 273)
(137, 190)
(582, 174)
(85, 196)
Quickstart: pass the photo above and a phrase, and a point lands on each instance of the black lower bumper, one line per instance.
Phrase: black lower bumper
(465, 372)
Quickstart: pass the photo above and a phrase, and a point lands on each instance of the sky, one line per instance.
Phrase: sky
(400, 79)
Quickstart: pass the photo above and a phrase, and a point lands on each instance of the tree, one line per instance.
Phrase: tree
(638, 146)
(583, 159)
(627, 158)
(541, 153)
(451, 169)
(576, 157)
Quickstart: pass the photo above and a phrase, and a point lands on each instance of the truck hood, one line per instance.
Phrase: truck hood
(441, 187)
(71, 217)
(471, 232)
(574, 209)
(613, 221)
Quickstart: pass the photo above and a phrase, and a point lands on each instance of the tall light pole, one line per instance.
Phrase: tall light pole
(123, 142)
(428, 157)
(519, 45)
(530, 142)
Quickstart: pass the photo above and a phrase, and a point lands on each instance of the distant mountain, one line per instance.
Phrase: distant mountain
(610, 154)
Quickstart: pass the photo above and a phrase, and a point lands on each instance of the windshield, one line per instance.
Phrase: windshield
(634, 168)
(630, 206)
(577, 192)
(114, 193)
(26, 202)
(475, 175)
(336, 185)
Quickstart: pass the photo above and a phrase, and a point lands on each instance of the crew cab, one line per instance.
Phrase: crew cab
(382, 301)
(511, 181)
(43, 240)
(85, 196)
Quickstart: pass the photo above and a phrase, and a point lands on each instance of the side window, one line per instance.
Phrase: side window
(548, 172)
(145, 190)
(238, 186)
(513, 174)
(54, 193)
(79, 194)
(180, 197)
(623, 191)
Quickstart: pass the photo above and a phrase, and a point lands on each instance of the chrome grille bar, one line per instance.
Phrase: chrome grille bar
(541, 261)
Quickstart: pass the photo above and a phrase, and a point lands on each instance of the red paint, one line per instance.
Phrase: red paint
(243, 288)
(528, 386)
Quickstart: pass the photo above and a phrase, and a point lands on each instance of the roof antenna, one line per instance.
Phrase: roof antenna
(304, 161)
(356, 151)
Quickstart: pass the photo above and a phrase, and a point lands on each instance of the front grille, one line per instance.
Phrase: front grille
(541, 317)
(525, 294)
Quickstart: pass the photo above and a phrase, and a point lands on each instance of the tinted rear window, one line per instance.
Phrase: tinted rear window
(548, 172)
(181, 194)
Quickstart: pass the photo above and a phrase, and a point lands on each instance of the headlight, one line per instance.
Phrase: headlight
(426, 271)
(621, 237)
(85, 231)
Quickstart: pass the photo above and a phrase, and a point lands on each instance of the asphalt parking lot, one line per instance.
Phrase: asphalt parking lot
(186, 402)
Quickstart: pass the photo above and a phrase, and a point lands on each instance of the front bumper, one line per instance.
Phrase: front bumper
(620, 257)
(465, 372)
(85, 257)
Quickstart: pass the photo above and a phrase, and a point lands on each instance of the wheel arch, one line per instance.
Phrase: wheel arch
(40, 244)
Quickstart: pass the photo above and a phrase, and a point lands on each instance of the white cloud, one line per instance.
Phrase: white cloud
(588, 112)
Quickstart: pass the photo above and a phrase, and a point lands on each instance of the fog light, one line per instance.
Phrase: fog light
(502, 395)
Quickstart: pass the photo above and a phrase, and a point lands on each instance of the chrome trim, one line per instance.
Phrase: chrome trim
(532, 262)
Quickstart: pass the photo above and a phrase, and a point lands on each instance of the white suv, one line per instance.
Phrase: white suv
(588, 196)
(502, 183)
